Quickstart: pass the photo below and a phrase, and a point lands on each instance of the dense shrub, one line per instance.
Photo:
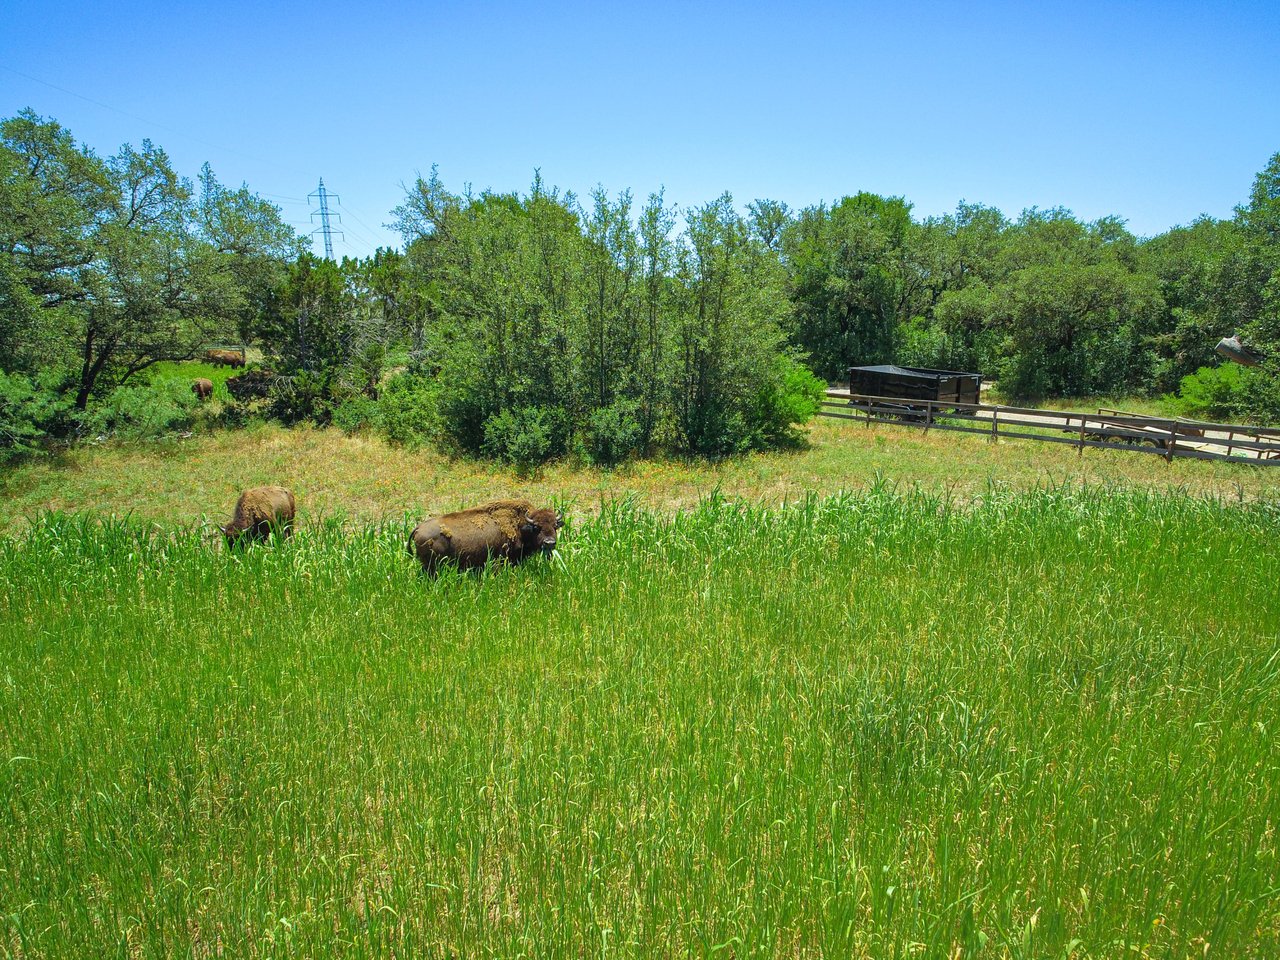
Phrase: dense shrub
(921, 344)
(304, 396)
(143, 412)
(1261, 396)
(614, 433)
(1227, 392)
(408, 409)
(231, 415)
(1215, 393)
(253, 384)
(30, 409)
(464, 410)
(355, 414)
(715, 428)
(1024, 376)
(791, 400)
(526, 436)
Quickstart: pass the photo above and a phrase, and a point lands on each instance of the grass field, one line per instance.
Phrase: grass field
(189, 370)
(365, 480)
(1039, 724)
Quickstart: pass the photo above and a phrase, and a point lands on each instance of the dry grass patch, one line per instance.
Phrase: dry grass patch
(363, 478)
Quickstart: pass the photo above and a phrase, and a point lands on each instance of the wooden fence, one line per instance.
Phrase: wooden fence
(1106, 429)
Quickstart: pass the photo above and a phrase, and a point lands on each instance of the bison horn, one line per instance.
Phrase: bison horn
(559, 520)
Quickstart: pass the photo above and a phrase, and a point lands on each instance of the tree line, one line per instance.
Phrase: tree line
(524, 326)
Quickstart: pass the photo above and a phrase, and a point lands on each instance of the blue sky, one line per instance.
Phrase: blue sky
(1155, 112)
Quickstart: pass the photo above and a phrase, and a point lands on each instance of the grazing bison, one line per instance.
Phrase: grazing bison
(506, 529)
(258, 512)
(225, 358)
(202, 388)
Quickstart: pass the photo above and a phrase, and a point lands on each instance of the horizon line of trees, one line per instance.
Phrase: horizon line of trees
(526, 326)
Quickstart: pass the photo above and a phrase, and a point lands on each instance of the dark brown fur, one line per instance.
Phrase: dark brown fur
(258, 512)
(202, 388)
(225, 358)
(507, 529)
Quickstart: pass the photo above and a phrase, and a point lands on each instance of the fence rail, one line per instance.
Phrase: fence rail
(1105, 430)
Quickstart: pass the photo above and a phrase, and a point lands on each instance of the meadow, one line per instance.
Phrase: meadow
(364, 480)
(890, 723)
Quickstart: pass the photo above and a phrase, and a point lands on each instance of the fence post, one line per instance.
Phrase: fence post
(995, 423)
(1080, 448)
(1230, 436)
(1173, 442)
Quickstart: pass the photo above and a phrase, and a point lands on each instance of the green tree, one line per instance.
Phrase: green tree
(854, 277)
(658, 299)
(729, 337)
(308, 326)
(1210, 283)
(550, 323)
(110, 266)
(54, 198)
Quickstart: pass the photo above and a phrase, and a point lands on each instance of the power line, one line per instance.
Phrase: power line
(146, 120)
(360, 235)
(324, 220)
(372, 232)
(324, 213)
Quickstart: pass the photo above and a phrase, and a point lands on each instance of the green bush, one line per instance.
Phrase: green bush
(232, 415)
(922, 344)
(145, 412)
(715, 427)
(613, 433)
(465, 406)
(793, 399)
(355, 414)
(1025, 376)
(304, 396)
(30, 409)
(1214, 393)
(526, 436)
(1260, 396)
(409, 409)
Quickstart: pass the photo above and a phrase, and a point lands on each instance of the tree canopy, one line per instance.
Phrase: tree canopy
(112, 265)
(527, 325)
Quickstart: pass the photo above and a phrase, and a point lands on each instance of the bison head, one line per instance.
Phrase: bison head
(539, 530)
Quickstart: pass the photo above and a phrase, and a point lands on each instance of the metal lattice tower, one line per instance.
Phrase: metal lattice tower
(324, 196)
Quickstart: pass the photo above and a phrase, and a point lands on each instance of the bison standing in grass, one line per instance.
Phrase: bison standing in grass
(507, 529)
(260, 511)
(225, 358)
(202, 388)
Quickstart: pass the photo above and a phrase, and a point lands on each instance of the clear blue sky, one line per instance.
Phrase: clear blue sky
(1155, 112)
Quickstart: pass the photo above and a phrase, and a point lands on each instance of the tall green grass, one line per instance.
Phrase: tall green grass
(186, 371)
(1040, 725)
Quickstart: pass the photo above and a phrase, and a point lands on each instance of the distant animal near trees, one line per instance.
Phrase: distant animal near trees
(259, 512)
(225, 358)
(510, 530)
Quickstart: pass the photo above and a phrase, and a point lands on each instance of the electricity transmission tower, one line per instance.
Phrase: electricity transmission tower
(324, 196)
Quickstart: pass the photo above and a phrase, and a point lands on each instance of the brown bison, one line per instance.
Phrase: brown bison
(259, 511)
(507, 529)
(225, 358)
(202, 388)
